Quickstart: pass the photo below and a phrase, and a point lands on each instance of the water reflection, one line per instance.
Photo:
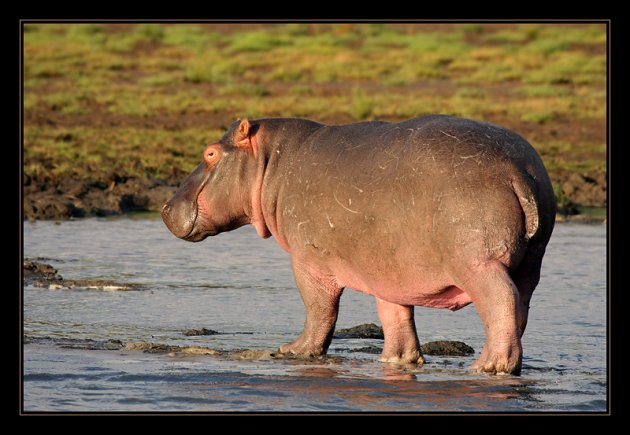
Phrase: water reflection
(402, 390)
(394, 372)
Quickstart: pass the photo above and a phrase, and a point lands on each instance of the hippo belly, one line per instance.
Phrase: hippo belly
(397, 214)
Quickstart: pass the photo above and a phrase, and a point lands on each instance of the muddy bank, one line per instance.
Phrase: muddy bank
(65, 198)
(40, 274)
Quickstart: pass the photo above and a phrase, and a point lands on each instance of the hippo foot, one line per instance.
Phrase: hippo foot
(499, 363)
(413, 357)
(302, 347)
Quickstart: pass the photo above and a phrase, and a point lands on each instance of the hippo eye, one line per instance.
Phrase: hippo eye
(211, 155)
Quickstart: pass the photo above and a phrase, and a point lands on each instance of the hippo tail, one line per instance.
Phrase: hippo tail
(539, 208)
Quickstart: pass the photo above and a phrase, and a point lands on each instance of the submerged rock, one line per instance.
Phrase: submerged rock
(375, 350)
(44, 275)
(446, 348)
(202, 331)
(150, 347)
(170, 349)
(34, 271)
(87, 284)
(76, 343)
(251, 354)
(199, 350)
(367, 330)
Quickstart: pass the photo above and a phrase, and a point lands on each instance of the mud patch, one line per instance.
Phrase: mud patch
(170, 349)
(74, 343)
(257, 355)
(67, 198)
(35, 271)
(367, 330)
(446, 348)
(266, 354)
(198, 332)
(374, 350)
(43, 275)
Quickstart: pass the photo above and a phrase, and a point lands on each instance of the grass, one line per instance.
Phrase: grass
(140, 99)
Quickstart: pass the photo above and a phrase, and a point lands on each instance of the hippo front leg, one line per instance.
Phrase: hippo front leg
(321, 299)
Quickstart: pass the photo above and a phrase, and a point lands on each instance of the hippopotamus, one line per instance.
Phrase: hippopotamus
(435, 211)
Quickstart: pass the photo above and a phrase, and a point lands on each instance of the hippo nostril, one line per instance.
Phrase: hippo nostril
(166, 209)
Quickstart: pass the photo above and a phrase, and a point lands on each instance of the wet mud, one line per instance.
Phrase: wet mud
(446, 348)
(43, 275)
(367, 330)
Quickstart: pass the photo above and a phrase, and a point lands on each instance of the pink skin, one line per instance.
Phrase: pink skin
(449, 249)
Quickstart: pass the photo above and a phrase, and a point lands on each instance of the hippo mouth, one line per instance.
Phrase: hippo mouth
(200, 228)
(187, 215)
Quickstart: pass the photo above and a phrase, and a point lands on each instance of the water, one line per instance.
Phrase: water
(241, 285)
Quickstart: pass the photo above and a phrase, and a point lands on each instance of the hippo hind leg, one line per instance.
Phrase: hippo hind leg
(399, 328)
(526, 278)
(497, 300)
(321, 299)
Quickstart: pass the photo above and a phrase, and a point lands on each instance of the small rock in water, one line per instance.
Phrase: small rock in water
(202, 331)
(36, 271)
(375, 350)
(251, 354)
(170, 349)
(198, 350)
(446, 348)
(150, 347)
(367, 330)
(45, 276)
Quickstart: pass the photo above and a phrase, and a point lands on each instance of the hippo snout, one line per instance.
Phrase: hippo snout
(179, 217)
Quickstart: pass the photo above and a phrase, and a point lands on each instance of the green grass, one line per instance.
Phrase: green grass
(244, 89)
(541, 117)
(101, 83)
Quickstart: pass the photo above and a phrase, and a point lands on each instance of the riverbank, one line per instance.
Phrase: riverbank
(116, 115)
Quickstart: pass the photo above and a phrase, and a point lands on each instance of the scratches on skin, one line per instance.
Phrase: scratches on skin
(300, 224)
(476, 157)
(355, 147)
(472, 156)
(450, 135)
(330, 222)
(339, 202)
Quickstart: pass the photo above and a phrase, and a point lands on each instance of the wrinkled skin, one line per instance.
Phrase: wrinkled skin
(434, 211)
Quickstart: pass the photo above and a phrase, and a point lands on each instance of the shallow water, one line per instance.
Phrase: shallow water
(241, 286)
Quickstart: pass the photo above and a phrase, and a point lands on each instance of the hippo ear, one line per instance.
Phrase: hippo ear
(241, 136)
(244, 137)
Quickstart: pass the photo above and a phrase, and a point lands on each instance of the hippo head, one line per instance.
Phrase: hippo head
(216, 197)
